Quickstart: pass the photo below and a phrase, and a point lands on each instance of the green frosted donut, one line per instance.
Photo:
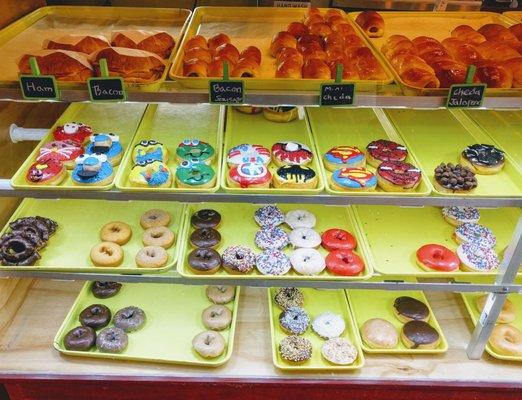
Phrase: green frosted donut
(194, 174)
(194, 150)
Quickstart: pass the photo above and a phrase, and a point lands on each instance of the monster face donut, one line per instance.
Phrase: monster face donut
(344, 263)
(343, 156)
(483, 159)
(269, 215)
(385, 150)
(438, 258)
(150, 174)
(65, 151)
(46, 173)
(359, 179)
(338, 239)
(295, 177)
(475, 233)
(475, 258)
(248, 153)
(149, 150)
(249, 175)
(195, 174)
(398, 176)
(292, 153)
(92, 169)
(194, 149)
(456, 215)
(74, 131)
(108, 144)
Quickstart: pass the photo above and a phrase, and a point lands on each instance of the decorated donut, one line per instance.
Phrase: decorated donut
(338, 239)
(293, 153)
(398, 176)
(434, 257)
(65, 151)
(358, 179)
(269, 215)
(46, 173)
(108, 144)
(457, 215)
(249, 175)
(92, 169)
(149, 150)
(483, 159)
(344, 262)
(385, 150)
(273, 262)
(76, 131)
(295, 177)
(344, 156)
(475, 258)
(271, 238)
(475, 233)
(195, 150)
(190, 174)
(150, 174)
(248, 153)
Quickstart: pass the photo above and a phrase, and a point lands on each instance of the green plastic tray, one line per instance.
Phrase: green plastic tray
(315, 302)
(474, 313)
(122, 119)
(238, 227)
(170, 124)
(79, 225)
(381, 306)
(355, 127)
(171, 323)
(437, 136)
(395, 233)
(255, 129)
(504, 128)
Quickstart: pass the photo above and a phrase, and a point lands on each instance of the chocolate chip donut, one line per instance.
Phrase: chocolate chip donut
(81, 338)
(96, 316)
(112, 340)
(129, 319)
(104, 290)
(205, 237)
(205, 218)
(204, 261)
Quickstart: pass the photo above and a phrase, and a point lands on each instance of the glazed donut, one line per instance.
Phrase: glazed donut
(344, 156)
(328, 325)
(248, 153)
(300, 219)
(205, 237)
(81, 338)
(273, 262)
(205, 218)
(153, 218)
(220, 294)
(238, 259)
(112, 340)
(295, 349)
(475, 258)
(271, 238)
(209, 344)
(129, 319)
(152, 257)
(409, 309)
(269, 215)
(436, 257)
(475, 233)
(378, 333)
(294, 321)
(339, 351)
(204, 261)
(106, 254)
(398, 176)
(96, 316)
(307, 261)
(304, 238)
(292, 153)
(104, 290)
(385, 150)
(158, 236)
(216, 317)
(289, 297)
(359, 179)
(506, 339)
(457, 215)
(419, 335)
(338, 239)
(507, 314)
(117, 232)
(344, 263)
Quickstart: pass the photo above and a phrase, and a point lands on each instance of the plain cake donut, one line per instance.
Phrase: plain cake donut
(209, 344)
(216, 317)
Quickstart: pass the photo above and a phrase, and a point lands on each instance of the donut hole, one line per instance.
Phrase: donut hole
(150, 253)
(115, 229)
(156, 235)
(106, 250)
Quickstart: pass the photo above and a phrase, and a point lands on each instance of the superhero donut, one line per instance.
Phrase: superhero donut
(65, 151)
(195, 150)
(385, 150)
(149, 150)
(295, 177)
(248, 153)
(73, 131)
(344, 156)
(291, 153)
(359, 179)
(108, 144)
(151, 173)
(249, 175)
(92, 169)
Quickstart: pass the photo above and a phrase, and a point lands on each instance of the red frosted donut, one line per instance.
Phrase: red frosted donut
(338, 239)
(438, 258)
(344, 262)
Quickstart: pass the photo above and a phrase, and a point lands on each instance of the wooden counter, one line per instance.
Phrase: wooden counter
(32, 311)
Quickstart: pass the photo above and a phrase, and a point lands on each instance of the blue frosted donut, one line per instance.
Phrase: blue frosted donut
(354, 178)
(91, 169)
(105, 143)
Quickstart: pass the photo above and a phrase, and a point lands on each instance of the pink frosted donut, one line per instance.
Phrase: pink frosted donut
(65, 151)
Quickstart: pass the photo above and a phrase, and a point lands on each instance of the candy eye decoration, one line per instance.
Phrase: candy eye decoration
(89, 159)
(186, 142)
(71, 127)
(185, 164)
(194, 142)
(142, 163)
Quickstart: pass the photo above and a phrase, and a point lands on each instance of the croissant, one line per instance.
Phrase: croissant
(195, 68)
(427, 45)
(333, 40)
(196, 41)
(289, 69)
(414, 71)
(420, 79)
(316, 69)
(246, 68)
(308, 41)
(297, 29)
(495, 51)
(371, 22)
(497, 33)
(157, 42)
(251, 52)
(397, 44)
(517, 31)
(450, 72)
(289, 53)
(467, 34)
(463, 52)
(494, 75)
(197, 53)
(280, 40)
(218, 40)
(367, 65)
(515, 66)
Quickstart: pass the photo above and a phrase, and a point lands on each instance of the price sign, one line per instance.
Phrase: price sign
(466, 95)
(226, 91)
(106, 88)
(37, 86)
(337, 94)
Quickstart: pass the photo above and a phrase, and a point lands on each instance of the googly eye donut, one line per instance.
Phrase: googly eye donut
(186, 142)
(194, 142)
(185, 164)
(142, 163)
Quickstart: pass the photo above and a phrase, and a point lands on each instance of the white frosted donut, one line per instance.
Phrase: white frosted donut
(328, 325)
(307, 261)
(304, 237)
(300, 219)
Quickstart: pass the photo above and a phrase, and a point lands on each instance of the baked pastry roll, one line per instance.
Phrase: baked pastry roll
(157, 42)
(217, 40)
(196, 41)
(64, 65)
(353, 41)
(320, 29)
(316, 69)
(397, 44)
(199, 69)
(289, 53)
(515, 66)
(414, 71)
(497, 33)
(197, 53)
(371, 22)
(229, 52)
(449, 72)
(495, 51)
(245, 68)
(494, 75)
(81, 43)
(281, 40)
(289, 68)
(462, 51)
(467, 34)
(517, 31)
(297, 29)
(252, 53)
(368, 66)
(214, 69)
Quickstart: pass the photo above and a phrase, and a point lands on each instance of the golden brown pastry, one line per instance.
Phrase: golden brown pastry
(397, 44)
(467, 34)
(217, 40)
(320, 29)
(310, 54)
(516, 30)
(344, 29)
(289, 68)
(245, 68)
(227, 51)
(462, 51)
(494, 75)
(428, 47)
(333, 40)
(197, 53)
(307, 42)
(334, 12)
(289, 53)
(280, 40)
(196, 69)
(497, 33)
(496, 51)
(252, 53)
(316, 69)
(334, 19)
(312, 10)
(349, 68)
(336, 55)
(371, 22)
(157, 42)
(353, 41)
(82, 43)
(311, 19)
(64, 65)
(368, 66)
(196, 41)
(414, 71)
(515, 66)
(449, 72)
(215, 69)
(297, 29)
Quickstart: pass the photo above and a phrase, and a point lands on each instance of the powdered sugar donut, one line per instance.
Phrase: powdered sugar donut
(475, 233)
(307, 261)
(300, 219)
(248, 153)
(269, 215)
(271, 238)
(304, 237)
(273, 262)
(328, 325)
(76, 131)
(65, 151)
(292, 153)
(475, 258)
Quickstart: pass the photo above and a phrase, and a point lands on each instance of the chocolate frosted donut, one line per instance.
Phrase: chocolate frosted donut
(104, 290)
(17, 250)
(410, 309)
(96, 316)
(419, 334)
(205, 219)
(483, 154)
(81, 338)
(37, 224)
(205, 237)
(204, 261)
(112, 340)
(455, 178)
(129, 319)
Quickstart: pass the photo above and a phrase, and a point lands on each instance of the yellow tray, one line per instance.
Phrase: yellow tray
(315, 302)
(170, 124)
(79, 225)
(255, 129)
(437, 25)
(474, 313)
(394, 234)
(238, 227)
(27, 33)
(504, 128)
(248, 26)
(514, 15)
(356, 127)
(437, 136)
(122, 119)
(381, 306)
(173, 319)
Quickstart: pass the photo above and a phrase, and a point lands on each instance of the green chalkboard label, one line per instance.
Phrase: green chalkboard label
(466, 96)
(106, 89)
(337, 94)
(39, 87)
(227, 92)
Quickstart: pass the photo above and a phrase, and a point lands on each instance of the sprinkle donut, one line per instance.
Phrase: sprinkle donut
(289, 297)
(304, 238)
(295, 349)
(385, 150)
(294, 321)
(273, 262)
(65, 151)
(477, 259)
(292, 153)
(269, 215)
(475, 233)
(457, 215)
(353, 179)
(397, 176)
(338, 239)
(300, 219)
(344, 156)
(74, 131)
(271, 238)
(238, 259)
(307, 261)
(248, 153)
(339, 351)
(344, 263)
